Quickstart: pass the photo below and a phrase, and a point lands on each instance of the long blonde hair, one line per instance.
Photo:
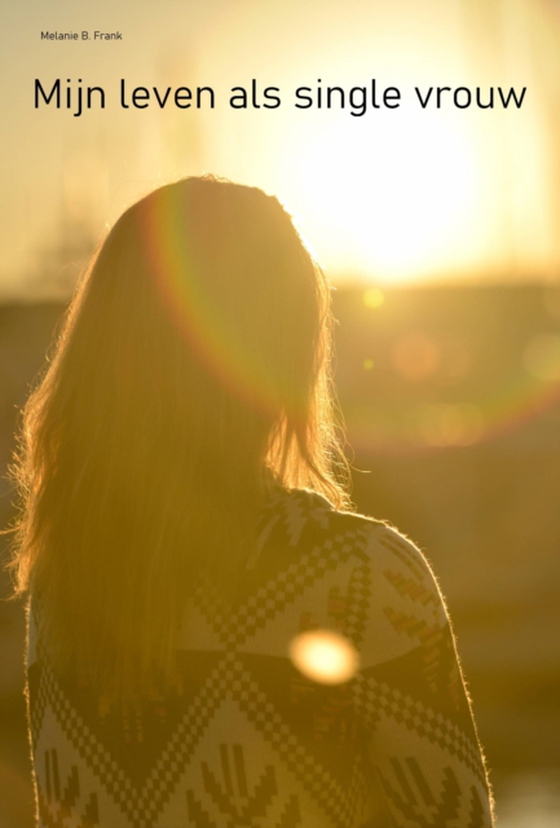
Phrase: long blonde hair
(193, 365)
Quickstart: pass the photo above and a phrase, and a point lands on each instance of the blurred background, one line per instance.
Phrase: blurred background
(439, 229)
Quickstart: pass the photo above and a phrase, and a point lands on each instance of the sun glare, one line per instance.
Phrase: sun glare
(393, 207)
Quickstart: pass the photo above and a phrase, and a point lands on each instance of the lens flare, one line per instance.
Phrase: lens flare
(324, 656)
(223, 352)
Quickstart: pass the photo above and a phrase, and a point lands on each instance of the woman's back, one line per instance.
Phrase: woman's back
(244, 738)
(188, 400)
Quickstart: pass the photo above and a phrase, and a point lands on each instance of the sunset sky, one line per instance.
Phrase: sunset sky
(394, 194)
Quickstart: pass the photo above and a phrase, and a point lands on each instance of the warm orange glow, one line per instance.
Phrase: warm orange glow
(385, 195)
(324, 656)
(410, 193)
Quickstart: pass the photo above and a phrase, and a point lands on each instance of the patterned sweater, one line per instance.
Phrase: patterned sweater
(246, 740)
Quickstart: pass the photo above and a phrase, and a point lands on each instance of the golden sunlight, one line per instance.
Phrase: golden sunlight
(406, 193)
(395, 205)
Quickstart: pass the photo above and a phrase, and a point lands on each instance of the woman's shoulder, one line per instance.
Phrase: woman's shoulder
(390, 550)
(304, 515)
(388, 580)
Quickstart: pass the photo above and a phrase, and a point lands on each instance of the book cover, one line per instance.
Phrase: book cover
(416, 143)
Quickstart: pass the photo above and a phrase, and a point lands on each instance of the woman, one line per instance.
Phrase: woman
(182, 530)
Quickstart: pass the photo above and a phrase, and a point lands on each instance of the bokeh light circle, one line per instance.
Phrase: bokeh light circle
(324, 656)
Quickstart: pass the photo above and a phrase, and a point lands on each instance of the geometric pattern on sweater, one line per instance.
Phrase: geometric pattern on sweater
(142, 805)
(245, 739)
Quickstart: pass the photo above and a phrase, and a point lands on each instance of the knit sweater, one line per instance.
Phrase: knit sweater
(245, 740)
